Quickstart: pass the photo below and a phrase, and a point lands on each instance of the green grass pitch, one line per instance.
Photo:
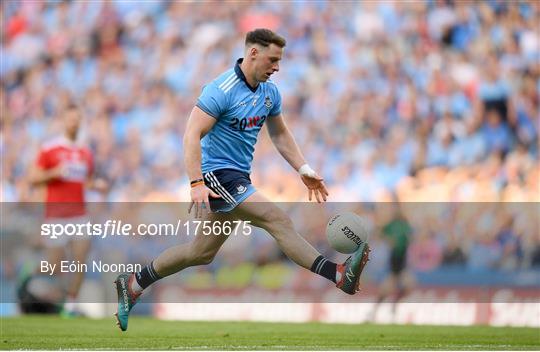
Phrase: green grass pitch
(54, 333)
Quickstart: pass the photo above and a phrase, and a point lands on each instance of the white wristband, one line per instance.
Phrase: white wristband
(306, 170)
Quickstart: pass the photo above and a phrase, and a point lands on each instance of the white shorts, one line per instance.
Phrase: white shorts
(70, 231)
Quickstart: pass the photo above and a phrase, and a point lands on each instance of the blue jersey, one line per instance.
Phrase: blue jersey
(240, 111)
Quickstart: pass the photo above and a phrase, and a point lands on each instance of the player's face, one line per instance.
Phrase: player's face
(72, 120)
(267, 62)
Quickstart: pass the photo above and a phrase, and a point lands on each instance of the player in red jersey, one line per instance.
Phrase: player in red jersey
(64, 167)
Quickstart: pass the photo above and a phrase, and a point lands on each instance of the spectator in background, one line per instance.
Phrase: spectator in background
(494, 92)
(425, 253)
(453, 253)
(496, 132)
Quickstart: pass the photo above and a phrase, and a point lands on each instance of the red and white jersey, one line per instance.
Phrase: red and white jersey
(77, 165)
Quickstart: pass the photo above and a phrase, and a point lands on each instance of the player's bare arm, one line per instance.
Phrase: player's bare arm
(39, 176)
(198, 125)
(97, 184)
(284, 141)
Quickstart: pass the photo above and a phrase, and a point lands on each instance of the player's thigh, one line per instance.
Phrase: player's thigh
(80, 247)
(55, 254)
(407, 279)
(211, 232)
(389, 284)
(261, 212)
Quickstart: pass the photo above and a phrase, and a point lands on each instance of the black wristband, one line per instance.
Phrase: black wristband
(195, 181)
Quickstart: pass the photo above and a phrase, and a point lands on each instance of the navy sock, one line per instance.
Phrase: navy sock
(325, 268)
(147, 276)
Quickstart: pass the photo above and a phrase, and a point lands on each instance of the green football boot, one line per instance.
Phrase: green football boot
(126, 299)
(352, 269)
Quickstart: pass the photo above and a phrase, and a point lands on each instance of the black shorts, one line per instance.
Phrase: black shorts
(398, 262)
(232, 185)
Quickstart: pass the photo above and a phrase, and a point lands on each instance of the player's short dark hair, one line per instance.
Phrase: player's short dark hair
(265, 37)
(71, 105)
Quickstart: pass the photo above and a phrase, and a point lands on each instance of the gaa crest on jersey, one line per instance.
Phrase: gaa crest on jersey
(241, 189)
(267, 102)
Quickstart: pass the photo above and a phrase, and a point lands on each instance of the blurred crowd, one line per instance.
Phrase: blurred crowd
(409, 101)
(433, 100)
